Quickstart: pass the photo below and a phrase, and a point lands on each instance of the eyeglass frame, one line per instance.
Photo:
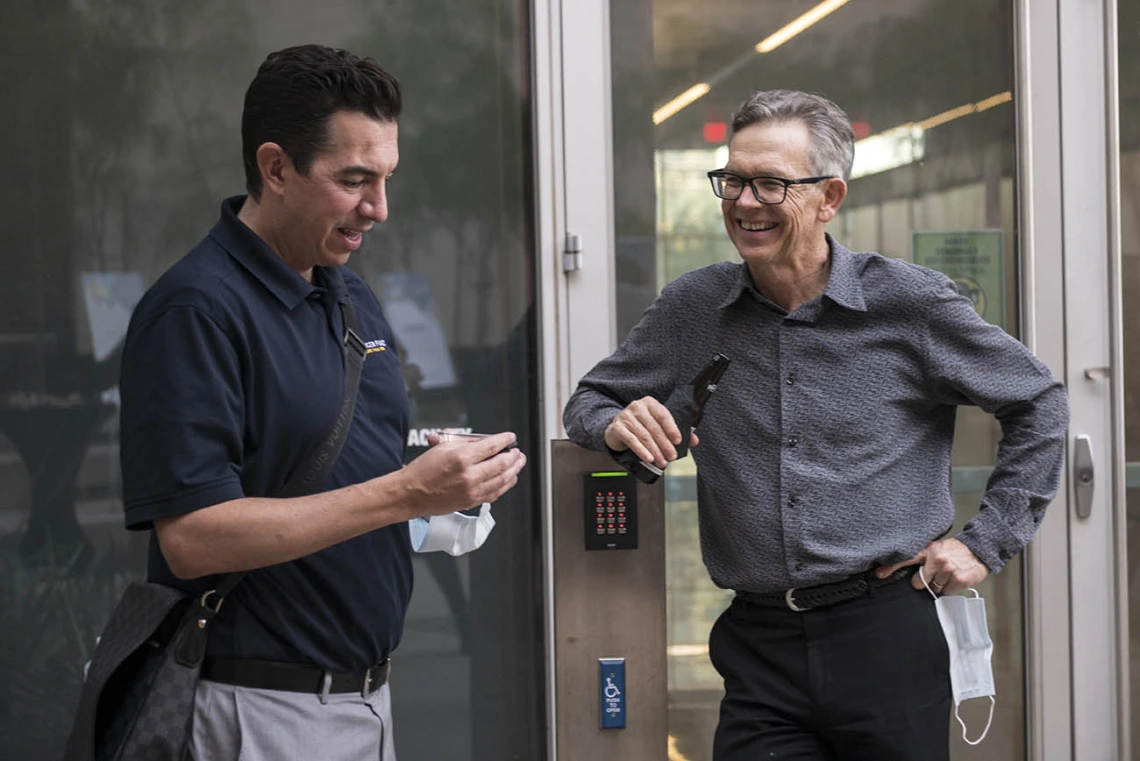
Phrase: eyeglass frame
(751, 182)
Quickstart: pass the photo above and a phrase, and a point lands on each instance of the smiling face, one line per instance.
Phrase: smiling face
(790, 232)
(326, 211)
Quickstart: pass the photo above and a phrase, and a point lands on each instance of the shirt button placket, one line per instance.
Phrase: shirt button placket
(788, 417)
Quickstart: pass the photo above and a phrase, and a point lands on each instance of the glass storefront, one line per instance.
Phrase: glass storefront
(929, 88)
(123, 137)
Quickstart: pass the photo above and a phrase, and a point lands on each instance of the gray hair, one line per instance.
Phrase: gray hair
(831, 135)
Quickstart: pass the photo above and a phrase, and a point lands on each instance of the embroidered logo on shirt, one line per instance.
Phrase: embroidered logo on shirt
(371, 347)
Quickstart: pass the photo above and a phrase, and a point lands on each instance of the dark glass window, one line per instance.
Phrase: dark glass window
(122, 136)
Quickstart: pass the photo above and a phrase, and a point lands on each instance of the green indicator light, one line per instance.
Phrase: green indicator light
(610, 474)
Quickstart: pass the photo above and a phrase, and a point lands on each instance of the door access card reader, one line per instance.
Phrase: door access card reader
(610, 511)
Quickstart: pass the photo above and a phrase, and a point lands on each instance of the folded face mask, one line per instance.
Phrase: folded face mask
(454, 533)
(963, 621)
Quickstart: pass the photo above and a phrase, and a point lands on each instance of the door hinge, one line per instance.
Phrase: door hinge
(572, 253)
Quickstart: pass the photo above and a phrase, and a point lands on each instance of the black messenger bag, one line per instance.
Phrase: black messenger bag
(138, 696)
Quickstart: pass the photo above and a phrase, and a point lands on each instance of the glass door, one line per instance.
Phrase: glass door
(930, 88)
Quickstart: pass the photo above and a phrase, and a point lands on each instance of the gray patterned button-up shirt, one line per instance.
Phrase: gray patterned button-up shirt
(826, 447)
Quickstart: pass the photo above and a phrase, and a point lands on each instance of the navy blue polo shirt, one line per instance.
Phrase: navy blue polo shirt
(233, 369)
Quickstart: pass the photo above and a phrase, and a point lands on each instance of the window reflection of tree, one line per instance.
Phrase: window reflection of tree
(111, 129)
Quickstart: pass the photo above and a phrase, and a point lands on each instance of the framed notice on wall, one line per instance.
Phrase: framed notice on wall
(973, 260)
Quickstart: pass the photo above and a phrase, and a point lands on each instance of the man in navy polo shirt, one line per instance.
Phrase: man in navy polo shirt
(233, 370)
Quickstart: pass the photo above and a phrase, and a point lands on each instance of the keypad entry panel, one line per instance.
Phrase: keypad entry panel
(610, 507)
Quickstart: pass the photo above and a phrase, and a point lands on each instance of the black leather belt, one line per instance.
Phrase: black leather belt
(294, 677)
(822, 595)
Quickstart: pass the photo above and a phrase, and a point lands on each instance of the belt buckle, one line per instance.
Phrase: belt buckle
(789, 598)
(369, 678)
(365, 691)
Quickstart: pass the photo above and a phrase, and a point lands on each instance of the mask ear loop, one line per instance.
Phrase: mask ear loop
(485, 524)
(922, 576)
(984, 731)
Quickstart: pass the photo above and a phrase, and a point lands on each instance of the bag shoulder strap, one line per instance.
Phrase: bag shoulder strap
(313, 471)
(315, 468)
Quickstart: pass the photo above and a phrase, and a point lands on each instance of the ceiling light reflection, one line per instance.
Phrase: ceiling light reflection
(888, 150)
(906, 143)
(695, 92)
(810, 18)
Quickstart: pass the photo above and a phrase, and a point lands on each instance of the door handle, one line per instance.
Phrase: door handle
(1084, 473)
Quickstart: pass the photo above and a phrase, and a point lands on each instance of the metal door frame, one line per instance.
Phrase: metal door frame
(1048, 683)
(574, 194)
(1076, 595)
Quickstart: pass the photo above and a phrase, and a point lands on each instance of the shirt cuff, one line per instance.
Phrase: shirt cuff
(140, 516)
(595, 429)
(990, 539)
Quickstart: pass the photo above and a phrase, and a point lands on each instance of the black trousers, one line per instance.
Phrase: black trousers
(864, 680)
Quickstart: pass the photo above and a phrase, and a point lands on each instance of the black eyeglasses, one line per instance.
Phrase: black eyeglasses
(768, 190)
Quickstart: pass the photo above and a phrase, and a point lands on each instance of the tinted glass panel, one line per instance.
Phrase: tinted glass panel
(123, 136)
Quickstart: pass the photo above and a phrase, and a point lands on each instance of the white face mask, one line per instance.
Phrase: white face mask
(455, 533)
(963, 622)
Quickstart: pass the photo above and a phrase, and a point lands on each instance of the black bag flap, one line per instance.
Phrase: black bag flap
(140, 612)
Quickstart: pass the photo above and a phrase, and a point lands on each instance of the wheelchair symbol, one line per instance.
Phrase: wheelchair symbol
(612, 690)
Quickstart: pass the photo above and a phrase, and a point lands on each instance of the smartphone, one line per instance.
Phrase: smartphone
(448, 434)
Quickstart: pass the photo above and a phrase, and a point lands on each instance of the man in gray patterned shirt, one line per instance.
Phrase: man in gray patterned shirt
(824, 457)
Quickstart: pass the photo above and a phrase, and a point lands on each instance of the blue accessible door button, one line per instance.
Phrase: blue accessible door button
(611, 686)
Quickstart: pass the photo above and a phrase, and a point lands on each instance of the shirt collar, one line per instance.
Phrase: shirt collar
(843, 284)
(265, 264)
(741, 285)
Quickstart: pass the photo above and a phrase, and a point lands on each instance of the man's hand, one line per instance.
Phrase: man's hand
(948, 565)
(646, 427)
(456, 475)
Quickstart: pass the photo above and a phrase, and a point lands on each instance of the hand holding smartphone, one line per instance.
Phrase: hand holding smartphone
(450, 434)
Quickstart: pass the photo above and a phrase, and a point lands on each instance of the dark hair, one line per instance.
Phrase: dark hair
(294, 94)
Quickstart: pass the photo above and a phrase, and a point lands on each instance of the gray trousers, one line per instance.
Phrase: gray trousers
(245, 724)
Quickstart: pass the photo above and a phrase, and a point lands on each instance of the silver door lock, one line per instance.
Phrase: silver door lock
(1084, 476)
